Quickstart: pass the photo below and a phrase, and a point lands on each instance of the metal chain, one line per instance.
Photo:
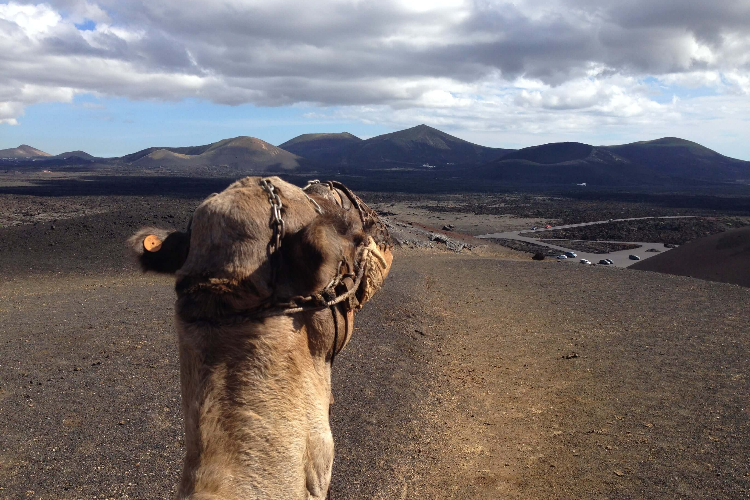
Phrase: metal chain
(277, 221)
(279, 229)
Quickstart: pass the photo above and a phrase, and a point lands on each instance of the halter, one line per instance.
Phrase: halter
(341, 290)
(328, 297)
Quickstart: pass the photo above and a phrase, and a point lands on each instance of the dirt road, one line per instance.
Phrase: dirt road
(467, 377)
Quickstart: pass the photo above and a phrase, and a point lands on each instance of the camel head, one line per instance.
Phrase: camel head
(268, 277)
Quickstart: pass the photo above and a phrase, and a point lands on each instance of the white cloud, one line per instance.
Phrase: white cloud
(693, 79)
(738, 81)
(33, 21)
(538, 66)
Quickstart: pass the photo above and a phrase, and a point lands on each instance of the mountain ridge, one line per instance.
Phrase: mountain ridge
(236, 152)
(414, 147)
(321, 147)
(22, 151)
(667, 161)
(429, 153)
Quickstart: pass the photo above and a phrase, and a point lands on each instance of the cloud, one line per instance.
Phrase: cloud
(548, 63)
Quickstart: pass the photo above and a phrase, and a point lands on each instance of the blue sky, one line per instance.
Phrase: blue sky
(111, 78)
(118, 126)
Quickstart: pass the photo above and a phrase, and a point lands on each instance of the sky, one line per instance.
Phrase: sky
(112, 77)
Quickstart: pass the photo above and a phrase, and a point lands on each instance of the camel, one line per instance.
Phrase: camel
(268, 276)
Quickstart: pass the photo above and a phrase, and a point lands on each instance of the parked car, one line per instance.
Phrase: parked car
(633, 257)
(605, 262)
(610, 262)
(533, 228)
(561, 257)
(571, 255)
(585, 261)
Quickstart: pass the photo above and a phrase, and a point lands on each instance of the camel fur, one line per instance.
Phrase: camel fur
(256, 390)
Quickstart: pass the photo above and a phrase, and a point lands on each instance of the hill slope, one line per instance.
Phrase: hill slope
(328, 148)
(239, 152)
(420, 145)
(678, 158)
(22, 151)
(565, 163)
(548, 154)
(664, 162)
(721, 257)
(411, 148)
(75, 154)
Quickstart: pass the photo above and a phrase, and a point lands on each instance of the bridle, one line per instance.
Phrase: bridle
(342, 288)
(341, 291)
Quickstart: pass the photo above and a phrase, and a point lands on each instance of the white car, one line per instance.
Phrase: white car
(585, 261)
(561, 257)
(633, 257)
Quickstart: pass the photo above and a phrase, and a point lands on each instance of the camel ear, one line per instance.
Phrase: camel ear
(377, 266)
(159, 250)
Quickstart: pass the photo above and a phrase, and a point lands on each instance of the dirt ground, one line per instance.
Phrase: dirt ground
(472, 374)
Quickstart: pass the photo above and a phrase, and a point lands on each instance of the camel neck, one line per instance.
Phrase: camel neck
(243, 391)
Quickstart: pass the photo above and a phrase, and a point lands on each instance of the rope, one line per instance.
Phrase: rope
(332, 302)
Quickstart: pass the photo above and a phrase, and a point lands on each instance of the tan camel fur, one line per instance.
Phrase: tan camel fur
(256, 390)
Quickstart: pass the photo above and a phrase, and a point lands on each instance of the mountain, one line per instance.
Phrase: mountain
(239, 152)
(663, 162)
(414, 147)
(22, 151)
(422, 153)
(549, 154)
(417, 146)
(70, 155)
(678, 158)
(327, 148)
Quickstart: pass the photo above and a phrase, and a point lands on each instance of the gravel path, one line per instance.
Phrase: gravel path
(621, 258)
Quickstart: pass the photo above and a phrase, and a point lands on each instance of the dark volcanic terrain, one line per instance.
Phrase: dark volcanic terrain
(670, 231)
(723, 257)
(471, 375)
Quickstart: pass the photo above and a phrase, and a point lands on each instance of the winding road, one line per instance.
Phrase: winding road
(620, 258)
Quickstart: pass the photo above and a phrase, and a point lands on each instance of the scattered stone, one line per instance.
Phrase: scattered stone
(572, 355)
